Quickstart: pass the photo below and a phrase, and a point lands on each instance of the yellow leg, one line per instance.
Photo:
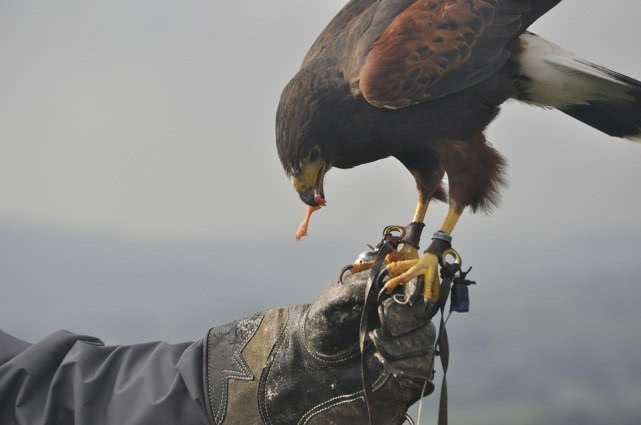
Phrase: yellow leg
(400, 264)
(451, 219)
(421, 209)
(408, 251)
(403, 272)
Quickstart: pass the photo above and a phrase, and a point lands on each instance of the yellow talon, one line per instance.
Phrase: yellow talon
(410, 269)
(428, 287)
(399, 267)
(406, 256)
(403, 271)
(392, 284)
(361, 267)
(436, 290)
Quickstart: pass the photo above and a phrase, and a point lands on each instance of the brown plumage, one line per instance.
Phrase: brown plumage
(426, 43)
(420, 80)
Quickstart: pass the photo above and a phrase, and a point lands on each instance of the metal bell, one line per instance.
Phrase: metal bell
(366, 256)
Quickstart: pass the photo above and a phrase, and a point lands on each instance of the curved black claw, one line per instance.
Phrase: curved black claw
(379, 285)
(343, 271)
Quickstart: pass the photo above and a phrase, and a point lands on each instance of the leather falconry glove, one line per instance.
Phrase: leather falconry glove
(301, 365)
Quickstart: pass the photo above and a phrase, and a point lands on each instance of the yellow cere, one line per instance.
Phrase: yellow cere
(306, 180)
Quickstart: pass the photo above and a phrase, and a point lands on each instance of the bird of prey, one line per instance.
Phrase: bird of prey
(420, 80)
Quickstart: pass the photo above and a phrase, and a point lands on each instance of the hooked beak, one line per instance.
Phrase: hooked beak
(315, 196)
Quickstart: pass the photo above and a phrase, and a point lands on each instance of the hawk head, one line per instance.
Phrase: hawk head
(306, 132)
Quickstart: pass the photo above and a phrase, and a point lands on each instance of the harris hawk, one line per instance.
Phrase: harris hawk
(420, 80)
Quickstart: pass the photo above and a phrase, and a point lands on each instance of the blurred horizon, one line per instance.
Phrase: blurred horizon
(141, 198)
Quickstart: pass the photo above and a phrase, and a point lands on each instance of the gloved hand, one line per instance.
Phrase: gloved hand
(301, 365)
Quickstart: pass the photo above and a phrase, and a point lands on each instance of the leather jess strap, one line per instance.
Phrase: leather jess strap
(364, 327)
(442, 341)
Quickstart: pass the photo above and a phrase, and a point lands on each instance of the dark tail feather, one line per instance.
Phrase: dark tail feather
(618, 118)
(552, 77)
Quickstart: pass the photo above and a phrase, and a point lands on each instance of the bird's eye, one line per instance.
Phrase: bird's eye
(314, 155)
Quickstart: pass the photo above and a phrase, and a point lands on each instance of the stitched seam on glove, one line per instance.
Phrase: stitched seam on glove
(219, 416)
(325, 358)
(262, 406)
(382, 379)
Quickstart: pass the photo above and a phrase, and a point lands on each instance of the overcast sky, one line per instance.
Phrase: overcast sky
(139, 175)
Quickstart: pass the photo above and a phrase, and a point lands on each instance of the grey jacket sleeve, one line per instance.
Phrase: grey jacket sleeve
(75, 379)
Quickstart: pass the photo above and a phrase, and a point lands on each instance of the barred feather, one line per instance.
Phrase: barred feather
(550, 76)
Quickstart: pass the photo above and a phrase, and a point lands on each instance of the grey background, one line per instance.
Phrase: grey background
(141, 198)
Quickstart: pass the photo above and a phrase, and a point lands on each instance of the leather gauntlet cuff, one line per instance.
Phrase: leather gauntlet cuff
(301, 365)
(260, 371)
(235, 356)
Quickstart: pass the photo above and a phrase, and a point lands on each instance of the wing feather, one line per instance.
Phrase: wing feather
(433, 48)
(397, 53)
(351, 10)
